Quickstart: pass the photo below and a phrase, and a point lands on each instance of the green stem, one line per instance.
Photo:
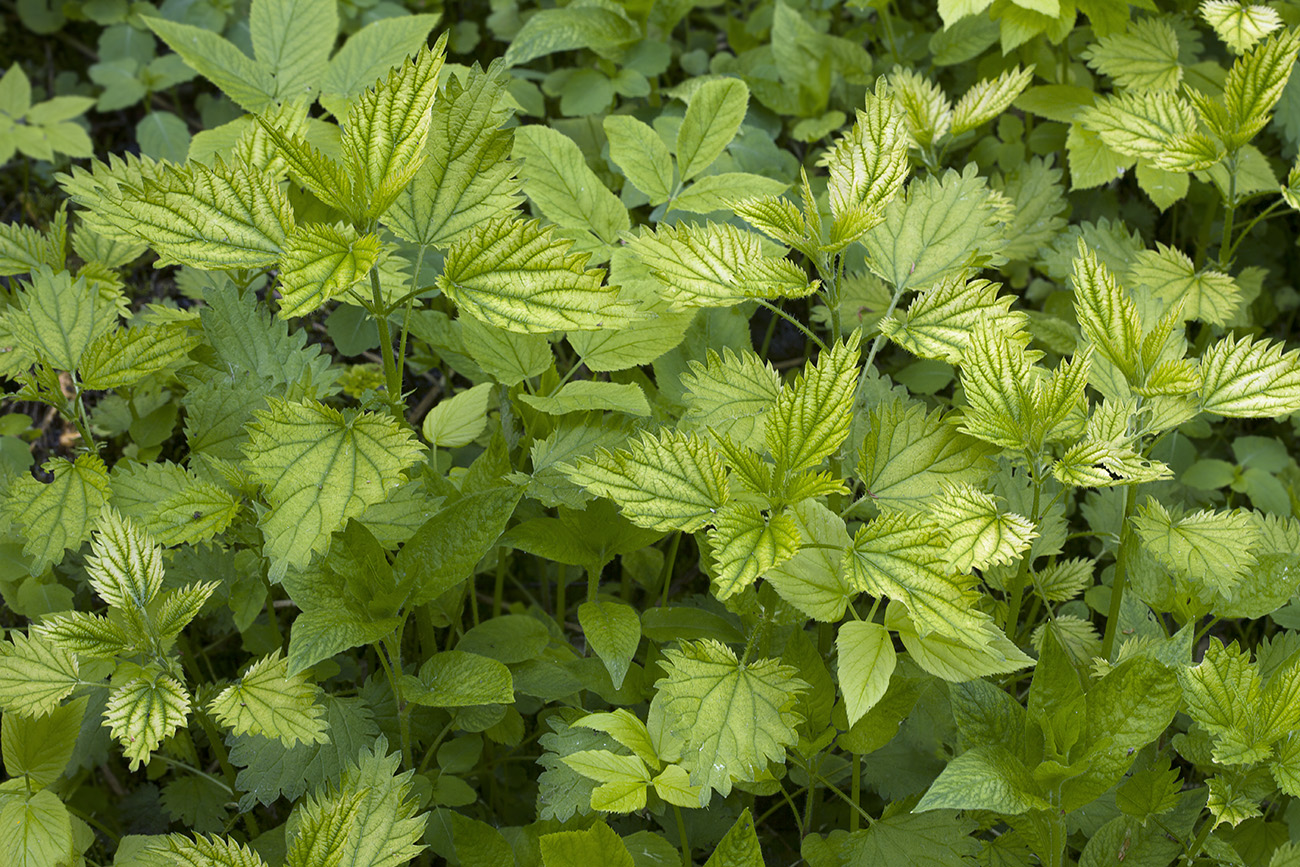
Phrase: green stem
(561, 581)
(593, 584)
(681, 833)
(1121, 574)
(1056, 833)
(1022, 572)
(669, 561)
(499, 586)
(856, 791)
(1246, 230)
(392, 647)
(1202, 835)
(1229, 211)
(798, 817)
(793, 321)
(392, 377)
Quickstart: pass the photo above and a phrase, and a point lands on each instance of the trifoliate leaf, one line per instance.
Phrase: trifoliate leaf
(908, 453)
(1238, 24)
(943, 225)
(623, 779)
(1140, 123)
(716, 265)
(811, 419)
(387, 127)
(58, 515)
(35, 830)
(865, 661)
(321, 262)
(734, 719)
(144, 711)
(713, 116)
(1255, 83)
(672, 481)
(1106, 313)
(35, 674)
(1143, 58)
(564, 188)
(939, 322)
(613, 632)
(904, 557)
(642, 156)
(979, 534)
(812, 580)
(587, 395)
(731, 395)
(459, 419)
(1210, 548)
(1168, 273)
(989, 98)
(127, 355)
(514, 274)
(467, 177)
(267, 701)
(216, 218)
(318, 467)
(457, 678)
(747, 543)
(1250, 378)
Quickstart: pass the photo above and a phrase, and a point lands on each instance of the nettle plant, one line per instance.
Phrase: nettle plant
(847, 661)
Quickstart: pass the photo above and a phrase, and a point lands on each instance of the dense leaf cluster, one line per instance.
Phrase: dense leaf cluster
(638, 433)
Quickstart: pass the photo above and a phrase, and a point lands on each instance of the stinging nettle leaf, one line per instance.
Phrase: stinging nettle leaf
(270, 702)
(811, 419)
(1250, 378)
(731, 395)
(989, 98)
(1211, 548)
(979, 534)
(321, 262)
(515, 275)
(939, 323)
(36, 673)
(1238, 24)
(1255, 83)
(144, 711)
(58, 515)
(1145, 57)
(747, 543)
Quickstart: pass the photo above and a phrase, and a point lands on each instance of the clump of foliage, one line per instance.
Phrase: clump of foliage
(843, 434)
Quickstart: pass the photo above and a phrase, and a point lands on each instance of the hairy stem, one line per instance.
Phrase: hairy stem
(1121, 573)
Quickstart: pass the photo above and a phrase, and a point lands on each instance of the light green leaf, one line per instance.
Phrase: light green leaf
(321, 262)
(125, 356)
(1222, 694)
(933, 839)
(746, 544)
(939, 323)
(35, 675)
(1210, 548)
(1092, 162)
(716, 265)
(1141, 123)
(246, 81)
(812, 580)
(56, 320)
(986, 777)
(672, 481)
(864, 663)
(513, 274)
(125, 566)
(989, 98)
(467, 177)
(627, 729)
(35, 830)
(734, 719)
(215, 218)
(943, 225)
(908, 453)
(144, 711)
(162, 499)
(39, 748)
(587, 395)
(458, 420)
(731, 395)
(293, 39)
(387, 127)
(811, 419)
(22, 248)
(388, 828)
(674, 785)
(1250, 378)
(904, 557)
(712, 119)
(58, 515)
(613, 631)
(739, 846)
(1168, 273)
(721, 191)
(1143, 58)
(979, 534)
(558, 180)
(596, 845)
(642, 156)
(1255, 83)
(457, 678)
(868, 164)
(584, 24)
(1106, 313)
(322, 829)
(1240, 25)
(925, 106)
(508, 357)
(369, 54)
(268, 701)
(1094, 464)
(318, 467)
